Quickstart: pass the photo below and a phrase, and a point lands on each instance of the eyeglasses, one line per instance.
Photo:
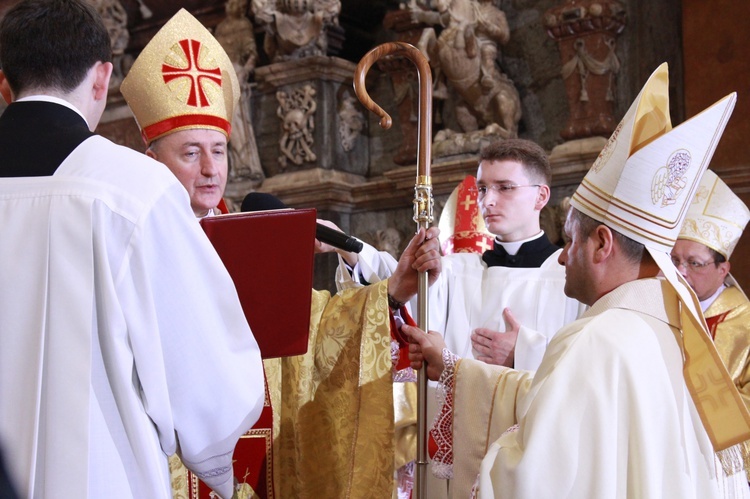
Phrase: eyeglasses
(502, 189)
(690, 265)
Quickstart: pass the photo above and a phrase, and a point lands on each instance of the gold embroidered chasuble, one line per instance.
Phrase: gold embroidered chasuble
(729, 319)
(333, 407)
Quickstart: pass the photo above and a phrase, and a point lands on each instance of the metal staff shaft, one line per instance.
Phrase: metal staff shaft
(423, 205)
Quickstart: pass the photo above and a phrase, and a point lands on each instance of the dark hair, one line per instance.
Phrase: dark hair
(717, 257)
(526, 152)
(633, 250)
(51, 44)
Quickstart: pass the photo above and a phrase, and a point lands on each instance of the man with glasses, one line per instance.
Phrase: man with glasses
(480, 300)
(712, 228)
(511, 284)
(631, 400)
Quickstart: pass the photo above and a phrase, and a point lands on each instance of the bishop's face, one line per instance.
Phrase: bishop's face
(198, 158)
(576, 257)
(696, 263)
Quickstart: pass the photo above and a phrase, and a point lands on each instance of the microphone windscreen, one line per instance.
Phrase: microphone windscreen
(261, 201)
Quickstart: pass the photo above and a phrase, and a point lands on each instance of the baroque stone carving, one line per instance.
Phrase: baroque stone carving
(464, 56)
(297, 113)
(585, 31)
(115, 19)
(388, 240)
(552, 221)
(235, 34)
(296, 28)
(351, 122)
(403, 76)
(144, 10)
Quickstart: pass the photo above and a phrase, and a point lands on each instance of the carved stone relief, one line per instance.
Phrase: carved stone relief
(116, 20)
(464, 59)
(235, 34)
(297, 112)
(552, 221)
(296, 28)
(388, 240)
(351, 122)
(585, 31)
(403, 76)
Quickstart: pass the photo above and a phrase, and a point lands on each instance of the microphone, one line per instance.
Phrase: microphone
(337, 239)
(262, 201)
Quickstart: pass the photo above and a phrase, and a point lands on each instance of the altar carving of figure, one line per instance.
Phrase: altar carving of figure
(297, 114)
(586, 32)
(388, 240)
(351, 122)
(235, 34)
(296, 28)
(145, 11)
(552, 221)
(464, 56)
(115, 19)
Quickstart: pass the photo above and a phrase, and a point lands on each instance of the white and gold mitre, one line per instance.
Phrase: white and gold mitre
(641, 185)
(646, 175)
(182, 79)
(716, 217)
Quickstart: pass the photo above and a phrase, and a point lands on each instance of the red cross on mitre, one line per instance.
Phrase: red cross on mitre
(194, 72)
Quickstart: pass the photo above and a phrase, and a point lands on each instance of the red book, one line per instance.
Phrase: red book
(269, 255)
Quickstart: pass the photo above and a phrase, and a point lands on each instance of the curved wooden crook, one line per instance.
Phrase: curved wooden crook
(422, 209)
(424, 144)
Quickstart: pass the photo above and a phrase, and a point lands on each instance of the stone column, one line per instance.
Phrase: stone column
(586, 31)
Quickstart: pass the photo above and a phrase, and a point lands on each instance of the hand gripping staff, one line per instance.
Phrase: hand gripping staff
(422, 205)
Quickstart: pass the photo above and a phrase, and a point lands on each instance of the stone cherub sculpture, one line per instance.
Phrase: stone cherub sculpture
(296, 28)
(236, 36)
(464, 56)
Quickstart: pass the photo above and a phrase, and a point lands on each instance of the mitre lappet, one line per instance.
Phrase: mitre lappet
(641, 186)
(183, 79)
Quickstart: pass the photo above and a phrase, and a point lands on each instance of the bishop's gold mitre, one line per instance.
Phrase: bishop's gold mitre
(183, 79)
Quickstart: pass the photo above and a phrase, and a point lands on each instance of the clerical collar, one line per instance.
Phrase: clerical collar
(708, 301)
(54, 100)
(211, 213)
(512, 247)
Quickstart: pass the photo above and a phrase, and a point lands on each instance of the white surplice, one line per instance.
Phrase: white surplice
(122, 339)
(607, 415)
(468, 295)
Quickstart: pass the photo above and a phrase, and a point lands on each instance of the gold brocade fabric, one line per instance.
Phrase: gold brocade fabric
(178, 477)
(405, 412)
(732, 338)
(333, 407)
